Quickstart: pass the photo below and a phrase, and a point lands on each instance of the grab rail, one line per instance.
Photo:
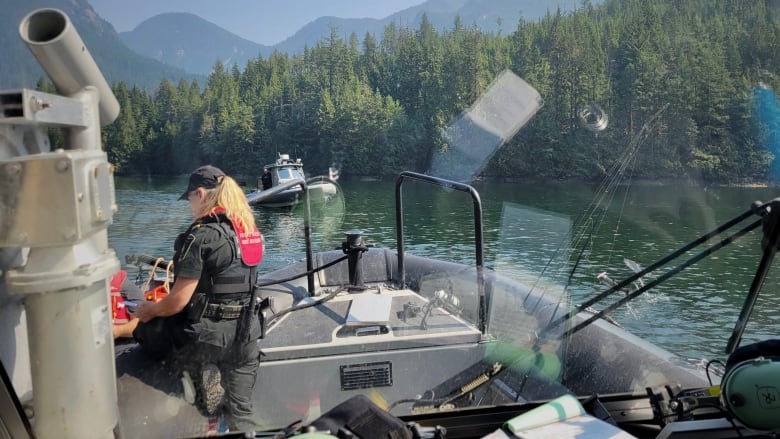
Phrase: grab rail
(399, 221)
(306, 222)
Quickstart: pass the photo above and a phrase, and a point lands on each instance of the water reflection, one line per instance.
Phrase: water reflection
(526, 225)
(149, 216)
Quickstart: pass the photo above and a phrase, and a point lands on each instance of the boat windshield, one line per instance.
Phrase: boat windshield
(579, 200)
(287, 174)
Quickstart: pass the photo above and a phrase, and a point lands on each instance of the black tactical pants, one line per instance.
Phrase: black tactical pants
(209, 341)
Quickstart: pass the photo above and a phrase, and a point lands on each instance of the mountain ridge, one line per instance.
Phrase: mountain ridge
(491, 16)
(199, 42)
(116, 61)
(177, 46)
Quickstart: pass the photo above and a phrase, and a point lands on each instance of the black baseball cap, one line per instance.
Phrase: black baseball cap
(206, 177)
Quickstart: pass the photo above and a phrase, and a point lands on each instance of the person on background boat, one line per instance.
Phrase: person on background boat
(208, 322)
(266, 179)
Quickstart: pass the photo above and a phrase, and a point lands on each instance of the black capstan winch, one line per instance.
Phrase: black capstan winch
(354, 247)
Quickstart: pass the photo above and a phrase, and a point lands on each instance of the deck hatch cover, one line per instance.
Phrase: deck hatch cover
(366, 375)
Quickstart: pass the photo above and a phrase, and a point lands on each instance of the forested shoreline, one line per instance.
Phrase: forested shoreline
(377, 105)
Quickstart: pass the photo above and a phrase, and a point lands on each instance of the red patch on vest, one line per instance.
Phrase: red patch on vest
(252, 245)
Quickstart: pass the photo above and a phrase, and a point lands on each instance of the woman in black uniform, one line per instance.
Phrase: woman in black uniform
(208, 321)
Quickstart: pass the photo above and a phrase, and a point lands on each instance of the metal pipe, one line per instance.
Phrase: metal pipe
(65, 279)
(57, 46)
(69, 328)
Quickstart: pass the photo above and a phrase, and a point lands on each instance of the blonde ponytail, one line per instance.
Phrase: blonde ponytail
(229, 195)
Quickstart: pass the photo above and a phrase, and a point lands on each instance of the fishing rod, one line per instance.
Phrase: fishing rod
(605, 193)
(770, 217)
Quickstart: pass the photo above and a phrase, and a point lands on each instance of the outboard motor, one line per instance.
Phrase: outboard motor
(354, 247)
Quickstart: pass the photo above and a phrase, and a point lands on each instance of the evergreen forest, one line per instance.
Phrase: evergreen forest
(376, 105)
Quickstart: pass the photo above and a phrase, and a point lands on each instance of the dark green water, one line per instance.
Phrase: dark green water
(528, 229)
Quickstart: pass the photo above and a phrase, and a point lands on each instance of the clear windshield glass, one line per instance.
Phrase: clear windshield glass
(286, 174)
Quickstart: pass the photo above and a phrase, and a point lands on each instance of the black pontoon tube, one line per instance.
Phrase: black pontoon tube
(399, 230)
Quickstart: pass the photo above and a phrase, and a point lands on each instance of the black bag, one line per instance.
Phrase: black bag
(362, 419)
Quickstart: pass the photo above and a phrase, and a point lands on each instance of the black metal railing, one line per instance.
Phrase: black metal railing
(306, 222)
(478, 242)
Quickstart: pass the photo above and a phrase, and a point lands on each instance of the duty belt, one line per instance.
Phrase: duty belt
(219, 311)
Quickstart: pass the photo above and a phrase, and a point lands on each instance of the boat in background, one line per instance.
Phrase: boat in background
(282, 171)
(274, 188)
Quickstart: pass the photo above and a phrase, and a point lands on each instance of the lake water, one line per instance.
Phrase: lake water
(528, 229)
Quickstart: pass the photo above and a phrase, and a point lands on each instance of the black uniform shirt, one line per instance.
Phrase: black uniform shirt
(205, 248)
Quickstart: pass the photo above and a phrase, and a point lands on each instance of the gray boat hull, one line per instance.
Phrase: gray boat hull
(313, 359)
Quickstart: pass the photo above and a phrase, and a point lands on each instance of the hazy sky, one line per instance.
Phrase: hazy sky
(262, 21)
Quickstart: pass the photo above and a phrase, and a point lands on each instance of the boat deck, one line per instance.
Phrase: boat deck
(364, 322)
